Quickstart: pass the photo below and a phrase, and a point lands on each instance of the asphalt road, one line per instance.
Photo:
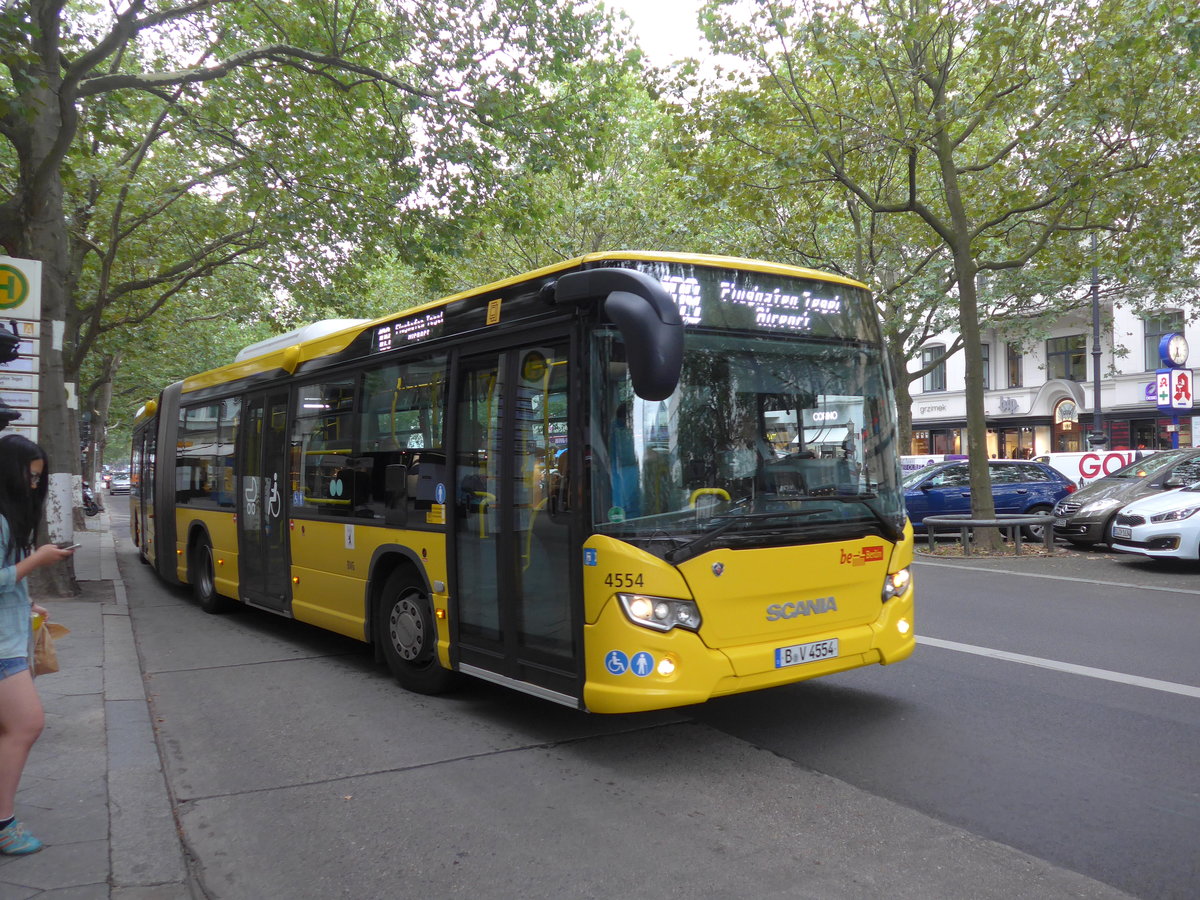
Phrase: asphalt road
(298, 768)
(1077, 742)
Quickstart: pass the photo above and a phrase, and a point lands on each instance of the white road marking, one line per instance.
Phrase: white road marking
(1091, 581)
(1171, 687)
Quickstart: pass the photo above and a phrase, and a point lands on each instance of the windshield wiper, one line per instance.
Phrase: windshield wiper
(697, 544)
(890, 531)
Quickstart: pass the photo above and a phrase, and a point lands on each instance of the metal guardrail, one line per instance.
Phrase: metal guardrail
(1010, 521)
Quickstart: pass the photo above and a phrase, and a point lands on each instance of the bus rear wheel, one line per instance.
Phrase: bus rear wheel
(202, 574)
(408, 635)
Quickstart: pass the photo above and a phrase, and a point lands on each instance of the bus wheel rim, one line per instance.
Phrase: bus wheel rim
(205, 575)
(407, 629)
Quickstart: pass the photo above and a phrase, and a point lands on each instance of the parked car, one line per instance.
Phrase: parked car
(1018, 487)
(1164, 525)
(1087, 516)
(119, 483)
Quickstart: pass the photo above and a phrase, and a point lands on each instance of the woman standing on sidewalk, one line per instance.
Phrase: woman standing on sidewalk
(22, 495)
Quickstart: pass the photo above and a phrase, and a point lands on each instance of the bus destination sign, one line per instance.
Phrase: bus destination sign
(773, 308)
(411, 330)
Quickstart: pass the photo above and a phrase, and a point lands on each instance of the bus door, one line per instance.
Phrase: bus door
(263, 564)
(515, 620)
(142, 491)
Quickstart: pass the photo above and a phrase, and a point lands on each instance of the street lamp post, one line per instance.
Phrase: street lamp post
(1097, 437)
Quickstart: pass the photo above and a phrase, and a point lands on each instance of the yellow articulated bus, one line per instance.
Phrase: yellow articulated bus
(625, 482)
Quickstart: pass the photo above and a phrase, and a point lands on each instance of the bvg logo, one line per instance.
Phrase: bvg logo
(868, 554)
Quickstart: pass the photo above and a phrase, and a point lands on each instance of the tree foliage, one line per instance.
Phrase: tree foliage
(148, 145)
(998, 134)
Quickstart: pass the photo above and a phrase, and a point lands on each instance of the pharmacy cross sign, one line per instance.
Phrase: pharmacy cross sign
(1174, 389)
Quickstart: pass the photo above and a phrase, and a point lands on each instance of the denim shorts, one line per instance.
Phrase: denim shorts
(13, 666)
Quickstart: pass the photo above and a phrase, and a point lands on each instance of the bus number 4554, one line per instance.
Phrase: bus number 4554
(623, 580)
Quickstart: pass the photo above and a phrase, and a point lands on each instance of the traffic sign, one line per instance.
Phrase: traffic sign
(20, 316)
(20, 289)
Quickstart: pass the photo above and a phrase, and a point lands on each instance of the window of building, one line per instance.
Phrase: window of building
(1156, 327)
(1066, 357)
(935, 380)
(1015, 356)
(986, 351)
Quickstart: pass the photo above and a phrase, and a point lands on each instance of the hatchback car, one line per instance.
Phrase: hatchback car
(119, 483)
(1087, 516)
(1162, 525)
(1018, 488)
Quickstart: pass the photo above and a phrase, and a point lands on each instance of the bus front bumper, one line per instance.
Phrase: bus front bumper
(634, 669)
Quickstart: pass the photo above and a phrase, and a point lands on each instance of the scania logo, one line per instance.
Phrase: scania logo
(777, 611)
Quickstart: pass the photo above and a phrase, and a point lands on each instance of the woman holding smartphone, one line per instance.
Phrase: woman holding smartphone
(22, 496)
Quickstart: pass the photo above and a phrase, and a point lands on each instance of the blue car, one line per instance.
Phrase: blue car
(1018, 487)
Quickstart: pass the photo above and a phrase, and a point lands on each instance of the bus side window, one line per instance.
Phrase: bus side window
(401, 434)
(323, 432)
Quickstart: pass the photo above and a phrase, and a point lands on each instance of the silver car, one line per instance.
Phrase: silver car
(1086, 517)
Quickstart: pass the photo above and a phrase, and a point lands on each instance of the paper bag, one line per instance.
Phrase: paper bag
(45, 657)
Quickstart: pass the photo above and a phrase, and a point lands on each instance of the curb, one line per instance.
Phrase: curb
(147, 858)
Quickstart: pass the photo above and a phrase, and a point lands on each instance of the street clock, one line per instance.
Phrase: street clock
(1173, 350)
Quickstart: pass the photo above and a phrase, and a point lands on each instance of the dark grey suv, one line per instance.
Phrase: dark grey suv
(1086, 517)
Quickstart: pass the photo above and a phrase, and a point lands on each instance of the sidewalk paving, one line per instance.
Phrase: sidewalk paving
(94, 789)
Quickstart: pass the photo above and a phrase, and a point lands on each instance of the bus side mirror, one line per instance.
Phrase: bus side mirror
(646, 316)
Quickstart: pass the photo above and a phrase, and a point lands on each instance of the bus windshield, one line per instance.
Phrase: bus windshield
(769, 439)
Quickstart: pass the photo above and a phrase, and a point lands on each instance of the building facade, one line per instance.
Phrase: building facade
(1038, 394)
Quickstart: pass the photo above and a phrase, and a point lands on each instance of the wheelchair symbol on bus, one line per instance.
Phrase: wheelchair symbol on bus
(616, 662)
(276, 501)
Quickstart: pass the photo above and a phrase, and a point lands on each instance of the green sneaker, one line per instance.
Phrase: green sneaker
(16, 841)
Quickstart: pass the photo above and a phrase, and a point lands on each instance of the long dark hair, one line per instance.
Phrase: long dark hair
(21, 502)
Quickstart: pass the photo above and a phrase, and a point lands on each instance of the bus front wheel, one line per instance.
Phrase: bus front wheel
(408, 634)
(203, 578)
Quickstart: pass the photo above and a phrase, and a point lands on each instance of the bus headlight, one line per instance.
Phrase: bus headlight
(896, 584)
(660, 613)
